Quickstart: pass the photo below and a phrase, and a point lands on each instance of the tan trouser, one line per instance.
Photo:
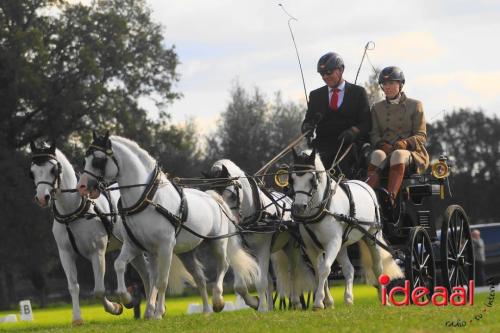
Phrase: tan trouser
(398, 156)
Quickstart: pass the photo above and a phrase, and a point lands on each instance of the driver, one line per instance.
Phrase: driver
(398, 133)
(339, 111)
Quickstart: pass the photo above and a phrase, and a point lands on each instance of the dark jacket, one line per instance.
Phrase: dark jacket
(354, 111)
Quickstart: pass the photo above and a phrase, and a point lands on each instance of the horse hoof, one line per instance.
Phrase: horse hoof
(318, 308)
(253, 302)
(118, 309)
(77, 322)
(349, 302)
(129, 305)
(218, 307)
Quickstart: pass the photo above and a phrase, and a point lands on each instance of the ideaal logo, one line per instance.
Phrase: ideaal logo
(459, 295)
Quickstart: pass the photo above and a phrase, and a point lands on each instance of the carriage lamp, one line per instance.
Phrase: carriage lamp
(281, 178)
(440, 169)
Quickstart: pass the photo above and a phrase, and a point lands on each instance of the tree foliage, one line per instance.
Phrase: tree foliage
(65, 68)
(253, 130)
(471, 140)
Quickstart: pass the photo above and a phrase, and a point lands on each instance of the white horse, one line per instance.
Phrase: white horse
(317, 201)
(77, 229)
(252, 206)
(159, 216)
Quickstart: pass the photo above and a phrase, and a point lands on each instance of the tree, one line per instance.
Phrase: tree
(372, 87)
(252, 130)
(64, 69)
(471, 141)
(60, 73)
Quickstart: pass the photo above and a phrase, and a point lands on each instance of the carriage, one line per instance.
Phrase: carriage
(433, 247)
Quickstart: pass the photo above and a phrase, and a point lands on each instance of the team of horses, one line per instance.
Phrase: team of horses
(124, 200)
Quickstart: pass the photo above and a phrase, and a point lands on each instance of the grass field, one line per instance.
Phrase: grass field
(367, 315)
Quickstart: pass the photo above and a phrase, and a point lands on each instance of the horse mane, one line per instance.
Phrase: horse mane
(134, 147)
(63, 160)
(232, 168)
(318, 165)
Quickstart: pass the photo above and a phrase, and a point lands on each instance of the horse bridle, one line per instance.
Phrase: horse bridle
(55, 171)
(300, 169)
(100, 162)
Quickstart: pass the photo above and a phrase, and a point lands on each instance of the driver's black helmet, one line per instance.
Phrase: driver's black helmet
(391, 73)
(329, 62)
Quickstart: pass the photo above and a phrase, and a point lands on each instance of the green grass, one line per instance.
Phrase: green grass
(367, 315)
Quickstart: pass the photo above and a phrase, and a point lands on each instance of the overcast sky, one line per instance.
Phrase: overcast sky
(448, 50)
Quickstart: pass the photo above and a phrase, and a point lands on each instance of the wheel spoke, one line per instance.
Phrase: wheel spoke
(424, 262)
(451, 249)
(453, 271)
(463, 278)
(461, 231)
(464, 247)
(416, 256)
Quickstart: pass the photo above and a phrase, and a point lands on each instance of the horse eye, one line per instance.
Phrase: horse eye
(32, 176)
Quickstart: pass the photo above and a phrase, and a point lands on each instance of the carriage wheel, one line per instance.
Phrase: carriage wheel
(457, 256)
(419, 262)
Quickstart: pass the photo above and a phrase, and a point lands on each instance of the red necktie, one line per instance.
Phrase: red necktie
(334, 101)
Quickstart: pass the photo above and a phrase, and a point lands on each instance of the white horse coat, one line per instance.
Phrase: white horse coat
(309, 185)
(128, 164)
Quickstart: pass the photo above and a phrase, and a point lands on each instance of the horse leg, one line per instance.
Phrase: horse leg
(377, 265)
(127, 253)
(98, 261)
(219, 248)
(165, 253)
(263, 257)
(194, 267)
(142, 267)
(294, 275)
(325, 261)
(151, 301)
(348, 272)
(69, 266)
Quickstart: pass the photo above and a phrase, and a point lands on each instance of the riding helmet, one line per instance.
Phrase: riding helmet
(329, 62)
(391, 73)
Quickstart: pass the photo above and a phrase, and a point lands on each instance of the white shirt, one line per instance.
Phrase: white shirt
(341, 93)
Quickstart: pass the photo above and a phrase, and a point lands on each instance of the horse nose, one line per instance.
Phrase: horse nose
(298, 208)
(47, 197)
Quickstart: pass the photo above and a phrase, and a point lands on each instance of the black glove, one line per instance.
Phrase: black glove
(307, 127)
(349, 135)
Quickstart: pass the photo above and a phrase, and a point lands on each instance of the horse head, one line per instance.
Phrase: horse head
(45, 170)
(101, 167)
(304, 180)
(229, 189)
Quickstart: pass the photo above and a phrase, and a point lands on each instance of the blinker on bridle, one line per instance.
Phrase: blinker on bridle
(100, 162)
(41, 158)
(283, 179)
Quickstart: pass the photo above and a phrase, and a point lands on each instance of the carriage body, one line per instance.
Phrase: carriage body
(431, 235)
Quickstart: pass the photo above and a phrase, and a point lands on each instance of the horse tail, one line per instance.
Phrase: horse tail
(178, 276)
(243, 264)
(389, 265)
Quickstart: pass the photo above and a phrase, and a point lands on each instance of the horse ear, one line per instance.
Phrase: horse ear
(52, 147)
(94, 136)
(295, 156)
(225, 172)
(32, 146)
